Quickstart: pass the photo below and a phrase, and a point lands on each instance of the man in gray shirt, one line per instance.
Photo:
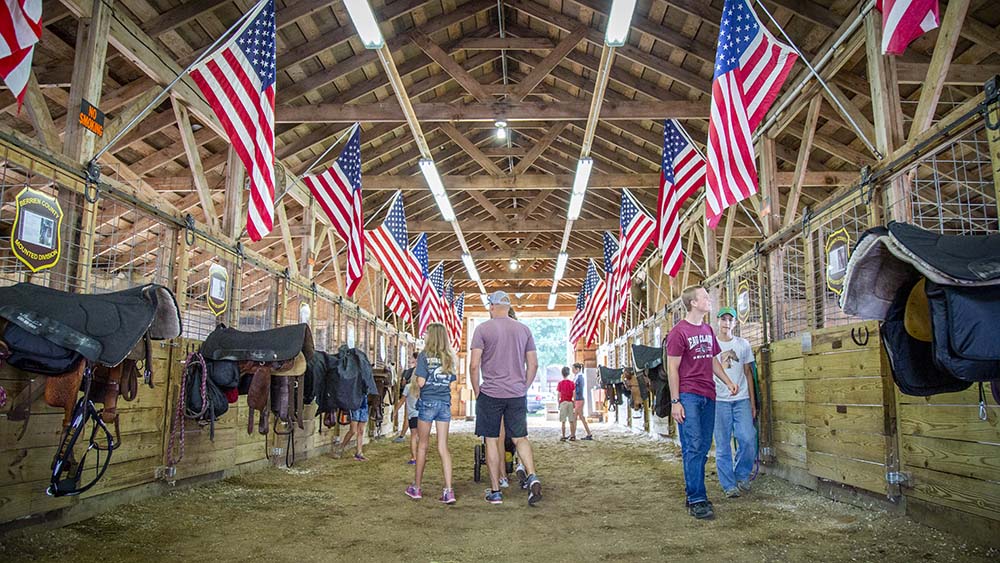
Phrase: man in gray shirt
(503, 350)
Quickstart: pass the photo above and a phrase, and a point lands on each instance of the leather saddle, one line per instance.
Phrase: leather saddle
(938, 297)
(611, 380)
(92, 343)
(274, 361)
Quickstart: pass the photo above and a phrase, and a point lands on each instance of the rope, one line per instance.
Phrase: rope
(182, 413)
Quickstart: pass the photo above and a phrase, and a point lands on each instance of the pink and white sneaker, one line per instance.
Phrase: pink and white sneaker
(448, 496)
(414, 492)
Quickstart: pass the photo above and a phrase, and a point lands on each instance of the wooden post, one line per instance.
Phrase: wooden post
(993, 112)
(194, 163)
(887, 112)
(814, 288)
(767, 176)
(88, 74)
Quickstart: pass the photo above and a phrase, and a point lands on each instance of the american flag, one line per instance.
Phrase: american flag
(459, 315)
(20, 29)
(611, 256)
(428, 303)
(683, 172)
(436, 294)
(637, 229)
(451, 316)
(388, 244)
(238, 82)
(905, 20)
(576, 325)
(597, 303)
(750, 67)
(338, 191)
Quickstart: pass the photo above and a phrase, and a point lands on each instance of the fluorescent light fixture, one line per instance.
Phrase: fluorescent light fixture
(513, 264)
(561, 265)
(501, 129)
(447, 213)
(470, 267)
(619, 22)
(437, 188)
(583, 167)
(364, 21)
(552, 301)
(485, 301)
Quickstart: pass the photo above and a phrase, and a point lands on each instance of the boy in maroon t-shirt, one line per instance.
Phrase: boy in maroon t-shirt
(691, 361)
(566, 389)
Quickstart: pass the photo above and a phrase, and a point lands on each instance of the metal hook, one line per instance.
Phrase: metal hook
(992, 96)
(91, 181)
(189, 229)
(982, 402)
(856, 336)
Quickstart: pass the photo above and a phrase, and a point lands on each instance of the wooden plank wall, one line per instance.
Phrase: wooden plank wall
(139, 462)
(837, 417)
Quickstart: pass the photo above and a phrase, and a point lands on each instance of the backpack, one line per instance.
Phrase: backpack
(36, 354)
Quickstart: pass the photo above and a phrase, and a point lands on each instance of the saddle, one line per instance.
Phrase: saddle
(611, 380)
(385, 392)
(92, 343)
(649, 360)
(938, 297)
(636, 387)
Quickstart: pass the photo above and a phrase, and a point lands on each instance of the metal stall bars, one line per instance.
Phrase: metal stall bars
(832, 235)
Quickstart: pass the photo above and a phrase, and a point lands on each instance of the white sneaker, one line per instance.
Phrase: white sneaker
(504, 483)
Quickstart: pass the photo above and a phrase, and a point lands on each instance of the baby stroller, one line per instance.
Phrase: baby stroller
(510, 458)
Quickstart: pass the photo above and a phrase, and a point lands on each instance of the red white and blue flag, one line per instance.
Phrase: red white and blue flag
(429, 305)
(750, 68)
(597, 303)
(905, 20)
(388, 243)
(20, 29)
(238, 82)
(637, 229)
(338, 192)
(576, 324)
(683, 172)
(451, 316)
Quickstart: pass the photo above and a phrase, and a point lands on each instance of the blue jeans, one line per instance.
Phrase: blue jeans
(734, 418)
(433, 411)
(696, 439)
(360, 414)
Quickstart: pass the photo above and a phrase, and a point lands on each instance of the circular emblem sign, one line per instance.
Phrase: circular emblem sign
(218, 289)
(743, 301)
(838, 248)
(36, 236)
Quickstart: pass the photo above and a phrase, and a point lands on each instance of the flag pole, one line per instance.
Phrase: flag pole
(384, 205)
(821, 81)
(93, 170)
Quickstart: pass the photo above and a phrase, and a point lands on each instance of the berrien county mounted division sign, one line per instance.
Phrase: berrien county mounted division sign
(218, 289)
(838, 250)
(36, 238)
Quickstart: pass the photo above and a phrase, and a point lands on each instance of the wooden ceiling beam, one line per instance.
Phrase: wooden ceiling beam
(511, 226)
(426, 112)
(504, 44)
(448, 64)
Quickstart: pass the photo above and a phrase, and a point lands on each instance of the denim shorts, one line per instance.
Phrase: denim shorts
(361, 414)
(434, 411)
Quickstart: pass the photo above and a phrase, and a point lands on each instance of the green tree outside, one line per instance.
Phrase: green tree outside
(551, 340)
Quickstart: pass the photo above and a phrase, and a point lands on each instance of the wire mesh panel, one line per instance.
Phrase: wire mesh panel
(834, 235)
(744, 289)
(321, 324)
(130, 248)
(791, 313)
(953, 190)
(258, 297)
(15, 179)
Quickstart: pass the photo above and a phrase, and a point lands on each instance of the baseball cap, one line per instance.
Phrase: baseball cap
(726, 311)
(498, 298)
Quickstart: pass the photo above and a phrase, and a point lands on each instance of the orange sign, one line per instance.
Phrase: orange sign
(91, 118)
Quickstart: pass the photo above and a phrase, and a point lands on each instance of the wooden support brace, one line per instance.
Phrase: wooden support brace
(802, 162)
(41, 118)
(194, 163)
(286, 237)
(930, 93)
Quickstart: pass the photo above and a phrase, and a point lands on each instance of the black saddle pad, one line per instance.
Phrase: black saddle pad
(610, 376)
(973, 258)
(276, 344)
(102, 327)
(646, 357)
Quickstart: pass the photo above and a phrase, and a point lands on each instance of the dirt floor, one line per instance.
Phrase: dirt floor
(618, 498)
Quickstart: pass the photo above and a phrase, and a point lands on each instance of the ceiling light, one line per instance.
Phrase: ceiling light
(619, 22)
(552, 301)
(470, 267)
(501, 129)
(513, 264)
(437, 188)
(561, 265)
(486, 302)
(583, 167)
(364, 22)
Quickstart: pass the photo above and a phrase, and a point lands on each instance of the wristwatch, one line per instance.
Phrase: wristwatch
(675, 401)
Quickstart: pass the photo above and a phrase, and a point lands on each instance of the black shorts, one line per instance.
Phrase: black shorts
(489, 412)
(412, 422)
